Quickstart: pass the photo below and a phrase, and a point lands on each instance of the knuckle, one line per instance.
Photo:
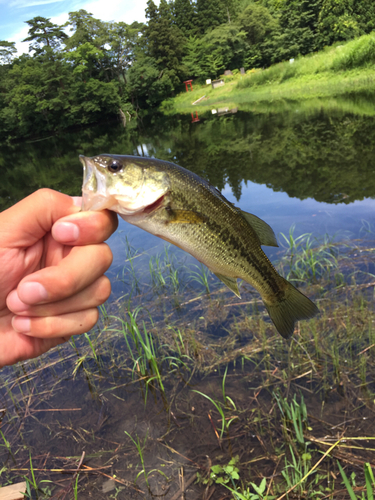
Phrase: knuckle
(91, 319)
(46, 326)
(103, 290)
(46, 195)
(106, 256)
(85, 321)
(67, 283)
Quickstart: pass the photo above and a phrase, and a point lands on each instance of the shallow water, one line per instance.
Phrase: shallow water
(312, 170)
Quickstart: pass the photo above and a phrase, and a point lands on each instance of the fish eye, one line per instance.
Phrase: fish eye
(114, 167)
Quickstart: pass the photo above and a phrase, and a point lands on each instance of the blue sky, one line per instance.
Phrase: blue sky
(14, 13)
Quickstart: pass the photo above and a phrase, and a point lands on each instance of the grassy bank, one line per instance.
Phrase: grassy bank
(336, 71)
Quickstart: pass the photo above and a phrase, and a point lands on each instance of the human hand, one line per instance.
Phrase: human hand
(52, 260)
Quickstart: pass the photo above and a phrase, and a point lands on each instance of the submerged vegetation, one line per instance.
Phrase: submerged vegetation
(183, 390)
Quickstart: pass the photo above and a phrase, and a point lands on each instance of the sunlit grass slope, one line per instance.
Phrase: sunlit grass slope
(335, 71)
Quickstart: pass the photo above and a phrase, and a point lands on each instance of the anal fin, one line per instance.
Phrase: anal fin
(230, 282)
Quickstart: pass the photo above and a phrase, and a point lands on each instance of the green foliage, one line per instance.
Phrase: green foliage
(98, 67)
(165, 41)
(222, 474)
(210, 14)
(337, 22)
(294, 415)
(7, 51)
(260, 27)
(246, 494)
(369, 479)
(220, 49)
(44, 34)
(185, 17)
(85, 29)
(147, 85)
(297, 35)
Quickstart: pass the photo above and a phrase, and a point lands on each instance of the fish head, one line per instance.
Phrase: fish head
(124, 184)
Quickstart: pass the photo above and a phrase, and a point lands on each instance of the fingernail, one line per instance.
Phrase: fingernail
(32, 293)
(15, 304)
(77, 200)
(65, 232)
(21, 324)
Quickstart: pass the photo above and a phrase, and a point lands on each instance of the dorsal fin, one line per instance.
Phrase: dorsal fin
(263, 230)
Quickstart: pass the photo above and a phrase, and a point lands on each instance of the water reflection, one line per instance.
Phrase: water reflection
(316, 149)
(312, 168)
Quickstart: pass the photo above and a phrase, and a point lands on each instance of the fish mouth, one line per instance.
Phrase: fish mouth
(154, 206)
(94, 195)
(97, 196)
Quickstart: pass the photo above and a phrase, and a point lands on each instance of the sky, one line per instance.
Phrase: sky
(14, 13)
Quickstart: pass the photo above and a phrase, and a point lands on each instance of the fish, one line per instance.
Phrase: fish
(184, 209)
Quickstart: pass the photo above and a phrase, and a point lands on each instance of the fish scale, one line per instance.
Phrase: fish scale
(237, 242)
(187, 211)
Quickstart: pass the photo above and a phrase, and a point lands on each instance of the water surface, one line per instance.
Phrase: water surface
(305, 169)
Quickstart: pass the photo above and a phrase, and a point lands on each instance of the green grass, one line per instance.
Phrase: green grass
(349, 485)
(356, 54)
(334, 72)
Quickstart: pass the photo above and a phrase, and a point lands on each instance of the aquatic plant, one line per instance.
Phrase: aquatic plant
(140, 447)
(202, 277)
(275, 397)
(369, 479)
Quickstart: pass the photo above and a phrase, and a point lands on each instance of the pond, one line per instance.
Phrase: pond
(183, 390)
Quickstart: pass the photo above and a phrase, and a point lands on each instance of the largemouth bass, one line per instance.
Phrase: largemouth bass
(182, 208)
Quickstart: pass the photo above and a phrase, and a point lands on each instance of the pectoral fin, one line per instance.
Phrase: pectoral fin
(263, 230)
(185, 217)
(230, 282)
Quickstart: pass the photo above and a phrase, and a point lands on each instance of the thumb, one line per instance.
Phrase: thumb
(30, 219)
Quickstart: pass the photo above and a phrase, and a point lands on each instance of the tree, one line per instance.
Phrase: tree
(147, 85)
(232, 9)
(298, 21)
(87, 48)
(210, 14)
(185, 16)
(338, 21)
(86, 28)
(220, 49)
(46, 36)
(7, 51)
(365, 10)
(123, 40)
(164, 41)
(260, 27)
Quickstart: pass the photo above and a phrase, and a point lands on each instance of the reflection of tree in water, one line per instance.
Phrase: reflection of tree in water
(328, 157)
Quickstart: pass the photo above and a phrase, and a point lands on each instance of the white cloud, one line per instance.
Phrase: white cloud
(113, 10)
(117, 10)
(18, 37)
(21, 4)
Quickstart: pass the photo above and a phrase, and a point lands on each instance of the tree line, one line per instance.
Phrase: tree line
(87, 70)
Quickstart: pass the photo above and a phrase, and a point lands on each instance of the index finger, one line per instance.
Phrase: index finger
(30, 219)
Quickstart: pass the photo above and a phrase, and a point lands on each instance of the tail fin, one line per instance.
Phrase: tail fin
(293, 307)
